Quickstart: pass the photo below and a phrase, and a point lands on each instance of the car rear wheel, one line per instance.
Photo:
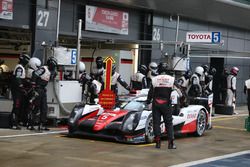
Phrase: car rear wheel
(201, 123)
(149, 132)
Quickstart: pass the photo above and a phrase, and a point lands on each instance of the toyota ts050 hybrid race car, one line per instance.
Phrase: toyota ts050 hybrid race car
(133, 122)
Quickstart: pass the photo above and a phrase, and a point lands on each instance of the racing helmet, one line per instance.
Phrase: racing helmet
(143, 69)
(163, 67)
(51, 63)
(24, 59)
(153, 67)
(99, 62)
(234, 70)
(81, 67)
(206, 68)
(199, 70)
(34, 63)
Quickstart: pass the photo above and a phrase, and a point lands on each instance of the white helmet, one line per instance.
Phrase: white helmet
(199, 70)
(153, 66)
(81, 67)
(34, 63)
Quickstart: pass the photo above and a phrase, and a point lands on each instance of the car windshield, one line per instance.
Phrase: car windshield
(134, 106)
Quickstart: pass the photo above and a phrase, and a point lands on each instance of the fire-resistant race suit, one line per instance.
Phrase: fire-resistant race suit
(195, 89)
(138, 81)
(97, 70)
(231, 90)
(93, 87)
(160, 91)
(17, 90)
(153, 71)
(30, 98)
(41, 78)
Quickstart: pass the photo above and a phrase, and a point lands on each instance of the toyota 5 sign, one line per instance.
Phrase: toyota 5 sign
(203, 37)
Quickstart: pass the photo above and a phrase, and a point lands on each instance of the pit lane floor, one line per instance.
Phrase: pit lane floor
(55, 149)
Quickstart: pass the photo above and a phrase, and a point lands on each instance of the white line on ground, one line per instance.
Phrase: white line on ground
(33, 134)
(211, 159)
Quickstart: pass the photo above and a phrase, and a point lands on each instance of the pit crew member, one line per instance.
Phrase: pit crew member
(160, 91)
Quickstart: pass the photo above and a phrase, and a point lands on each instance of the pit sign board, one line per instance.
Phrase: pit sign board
(203, 37)
(107, 99)
(107, 96)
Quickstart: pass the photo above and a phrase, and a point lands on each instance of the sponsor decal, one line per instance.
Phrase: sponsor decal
(6, 9)
(203, 37)
(191, 116)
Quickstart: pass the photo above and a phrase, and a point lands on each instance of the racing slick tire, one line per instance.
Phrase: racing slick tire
(201, 123)
(149, 132)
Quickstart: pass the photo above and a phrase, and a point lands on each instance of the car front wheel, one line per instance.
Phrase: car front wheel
(201, 123)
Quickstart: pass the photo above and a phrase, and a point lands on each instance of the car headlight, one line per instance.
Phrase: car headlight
(131, 122)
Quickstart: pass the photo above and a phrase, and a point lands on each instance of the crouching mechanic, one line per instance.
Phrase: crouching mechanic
(40, 80)
(160, 91)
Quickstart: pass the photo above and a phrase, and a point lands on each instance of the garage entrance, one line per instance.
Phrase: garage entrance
(218, 64)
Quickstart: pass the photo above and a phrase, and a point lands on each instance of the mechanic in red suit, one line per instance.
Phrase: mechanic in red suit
(160, 91)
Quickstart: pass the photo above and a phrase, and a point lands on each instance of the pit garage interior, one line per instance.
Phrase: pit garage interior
(152, 36)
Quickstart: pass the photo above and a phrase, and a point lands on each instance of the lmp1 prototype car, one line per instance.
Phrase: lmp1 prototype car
(133, 122)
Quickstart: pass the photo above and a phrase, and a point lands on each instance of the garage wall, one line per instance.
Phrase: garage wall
(72, 10)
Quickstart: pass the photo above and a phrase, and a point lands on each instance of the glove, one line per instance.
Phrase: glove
(53, 75)
(148, 107)
(128, 88)
(148, 101)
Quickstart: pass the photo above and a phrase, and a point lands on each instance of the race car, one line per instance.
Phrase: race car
(132, 123)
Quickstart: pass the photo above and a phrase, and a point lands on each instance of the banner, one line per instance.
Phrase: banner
(106, 20)
(6, 9)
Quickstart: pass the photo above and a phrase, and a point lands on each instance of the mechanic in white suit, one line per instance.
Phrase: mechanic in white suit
(40, 79)
(17, 89)
(34, 64)
(97, 70)
(195, 89)
(153, 71)
(115, 79)
(176, 95)
(231, 87)
(160, 91)
(93, 86)
(138, 80)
